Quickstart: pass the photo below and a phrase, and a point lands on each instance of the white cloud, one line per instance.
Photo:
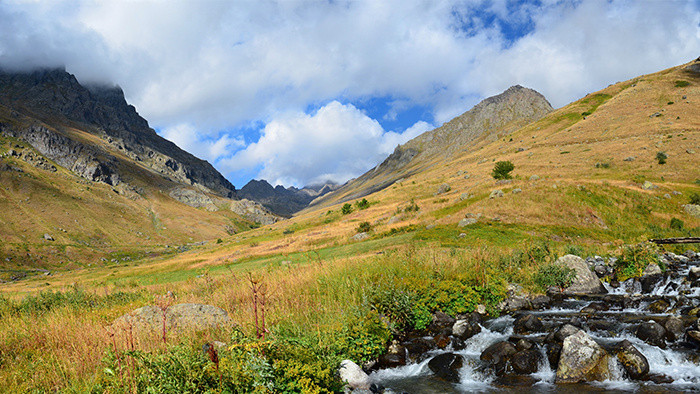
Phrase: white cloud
(218, 65)
(212, 149)
(338, 142)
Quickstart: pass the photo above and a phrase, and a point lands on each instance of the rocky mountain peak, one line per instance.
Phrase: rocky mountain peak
(56, 98)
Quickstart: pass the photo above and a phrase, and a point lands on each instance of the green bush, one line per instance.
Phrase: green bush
(554, 275)
(502, 170)
(364, 227)
(682, 84)
(676, 224)
(633, 259)
(397, 305)
(364, 337)
(695, 198)
(661, 157)
(346, 209)
(411, 207)
(362, 204)
(602, 165)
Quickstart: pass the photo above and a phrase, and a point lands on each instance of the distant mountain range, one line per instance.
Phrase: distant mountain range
(284, 201)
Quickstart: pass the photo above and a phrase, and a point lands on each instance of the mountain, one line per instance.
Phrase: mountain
(53, 95)
(489, 120)
(84, 177)
(284, 201)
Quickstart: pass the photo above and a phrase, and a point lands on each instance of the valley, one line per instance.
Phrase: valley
(372, 263)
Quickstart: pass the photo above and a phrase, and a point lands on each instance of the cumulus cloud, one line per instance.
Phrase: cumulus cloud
(337, 143)
(218, 65)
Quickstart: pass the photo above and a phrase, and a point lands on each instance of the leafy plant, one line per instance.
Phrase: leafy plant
(695, 198)
(602, 165)
(682, 84)
(661, 157)
(502, 170)
(634, 259)
(554, 275)
(362, 204)
(411, 207)
(364, 227)
(676, 224)
(346, 209)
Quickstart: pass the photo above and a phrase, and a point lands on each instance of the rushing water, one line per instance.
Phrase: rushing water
(679, 361)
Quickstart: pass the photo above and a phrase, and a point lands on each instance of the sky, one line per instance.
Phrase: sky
(302, 92)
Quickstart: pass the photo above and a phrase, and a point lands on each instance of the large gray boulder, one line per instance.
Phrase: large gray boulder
(632, 360)
(585, 282)
(353, 375)
(582, 360)
(178, 318)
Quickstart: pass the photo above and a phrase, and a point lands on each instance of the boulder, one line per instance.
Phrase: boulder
(446, 366)
(648, 186)
(582, 360)
(652, 333)
(465, 329)
(353, 375)
(694, 274)
(649, 282)
(441, 322)
(496, 193)
(692, 210)
(585, 282)
(360, 236)
(526, 324)
(48, 237)
(444, 188)
(659, 306)
(534, 177)
(179, 318)
(526, 361)
(517, 190)
(634, 362)
(497, 356)
(466, 222)
(694, 337)
(674, 328)
(651, 269)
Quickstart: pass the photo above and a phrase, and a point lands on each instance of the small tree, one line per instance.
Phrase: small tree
(346, 209)
(502, 170)
(364, 227)
(661, 157)
(362, 204)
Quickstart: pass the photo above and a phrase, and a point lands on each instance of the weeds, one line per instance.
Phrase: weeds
(634, 259)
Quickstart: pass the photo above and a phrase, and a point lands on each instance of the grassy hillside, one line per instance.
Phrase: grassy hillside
(578, 193)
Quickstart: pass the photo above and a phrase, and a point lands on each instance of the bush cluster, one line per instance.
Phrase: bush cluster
(632, 260)
(502, 170)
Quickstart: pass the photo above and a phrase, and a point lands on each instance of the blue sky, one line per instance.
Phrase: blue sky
(300, 91)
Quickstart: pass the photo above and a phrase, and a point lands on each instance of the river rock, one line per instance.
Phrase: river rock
(526, 324)
(441, 322)
(497, 355)
(651, 269)
(526, 361)
(659, 306)
(179, 317)
(634, 362)
(694, 337)
(582, 360)
(674, 328)
(353, 375)
(586, 282)
(652, 333)
(649, 282)
(446, 366)
(465, 329)
(694, 274)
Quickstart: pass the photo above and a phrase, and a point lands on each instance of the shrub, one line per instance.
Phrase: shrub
(661, 157)
(219, 240)
(362, 204)
(364, 227)
(502, 170)
(634, 259)
(554, 275)
(676, 224)
(364, 337)
(346, 209)
(602, 165)
(682, 84)
(411, 207)
(288, 231)
(695, 198)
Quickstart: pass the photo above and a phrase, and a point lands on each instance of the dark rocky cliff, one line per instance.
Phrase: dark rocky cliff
(56, 98)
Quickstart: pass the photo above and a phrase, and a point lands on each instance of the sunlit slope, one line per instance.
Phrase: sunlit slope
(90, 222)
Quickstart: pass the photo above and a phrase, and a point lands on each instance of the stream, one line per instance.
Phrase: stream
(629, 311)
